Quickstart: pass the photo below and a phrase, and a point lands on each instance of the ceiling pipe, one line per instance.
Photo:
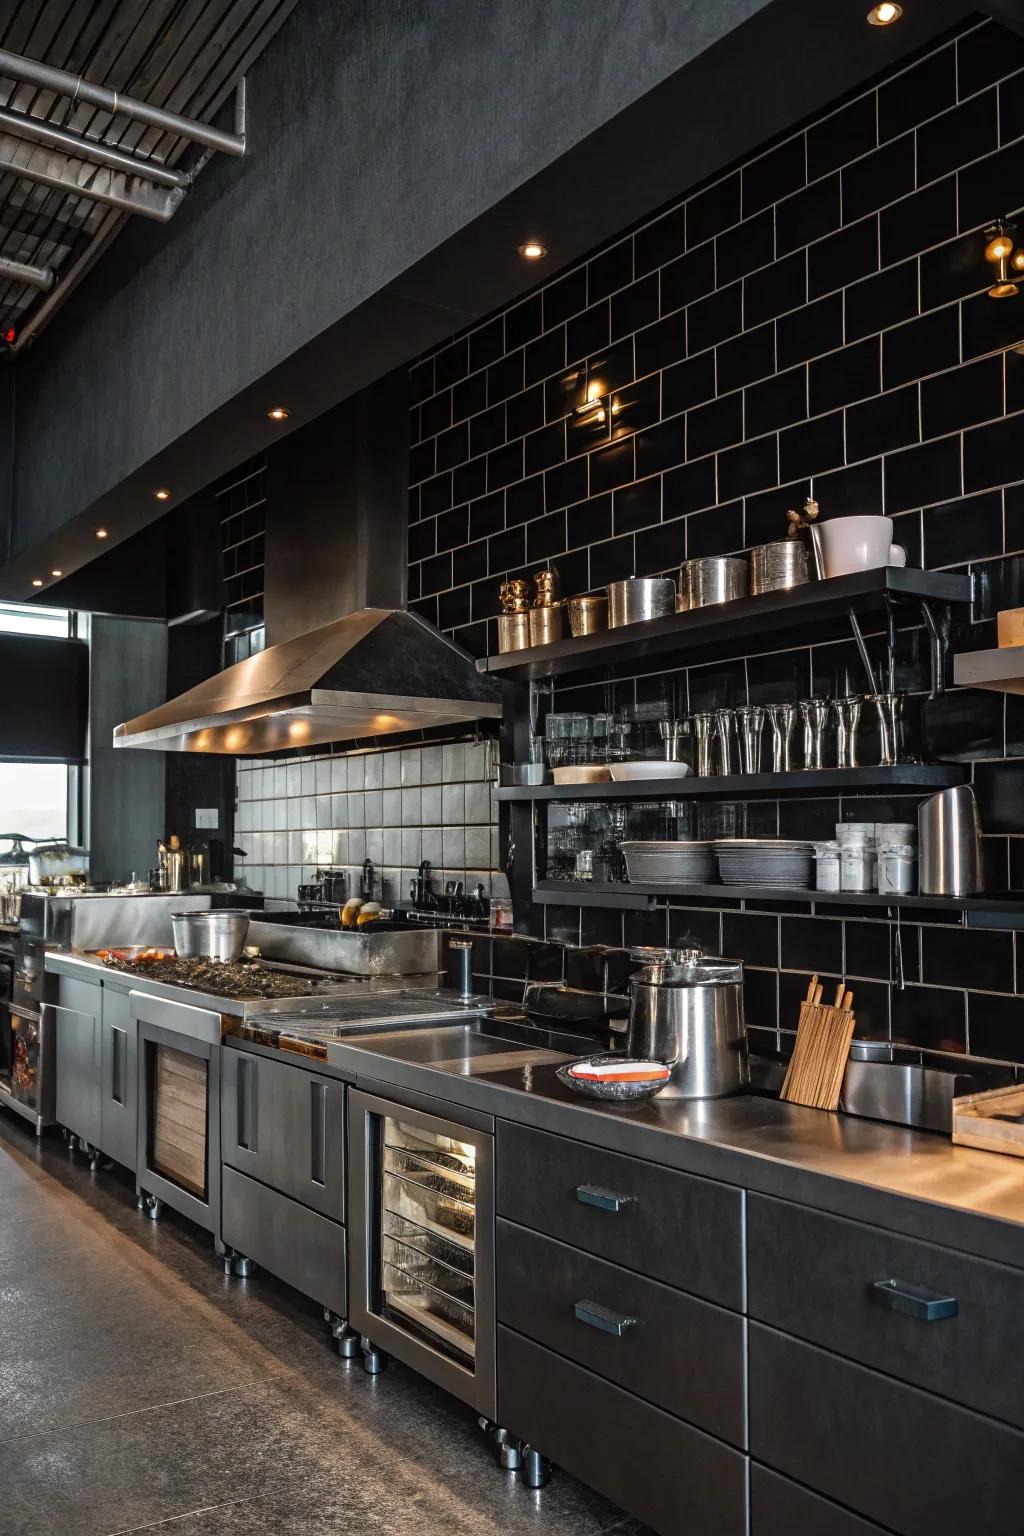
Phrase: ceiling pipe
(150, 202)
(21, 272)
(31, 72)
(41, 132)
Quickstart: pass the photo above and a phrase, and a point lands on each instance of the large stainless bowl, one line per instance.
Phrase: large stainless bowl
(217, 935)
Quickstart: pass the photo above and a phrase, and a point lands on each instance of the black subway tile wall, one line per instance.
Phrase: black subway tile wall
(812, 321)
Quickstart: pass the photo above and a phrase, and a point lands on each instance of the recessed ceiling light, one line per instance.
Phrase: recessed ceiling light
(532, 250)
(883, 15)
(101, 533)
(56, 573)
(37, 581)
(162, 495)
(278, 413)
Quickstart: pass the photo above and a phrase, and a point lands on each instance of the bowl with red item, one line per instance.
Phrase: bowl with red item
(613, 1078)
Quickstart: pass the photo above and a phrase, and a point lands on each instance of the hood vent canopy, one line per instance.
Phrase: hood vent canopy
(372, 673)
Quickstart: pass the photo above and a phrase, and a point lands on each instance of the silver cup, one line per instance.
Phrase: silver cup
(703, 730)
(725, 730)
(750, 722)
(847, 713)
(782, 719)
(672, 734)
(814, 714)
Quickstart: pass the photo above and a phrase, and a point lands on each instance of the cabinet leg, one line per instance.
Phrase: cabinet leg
(374, 1359)
(346, 1338)
(153, 1207)
(508, 1448)
(536, 1469)
(244, 1268)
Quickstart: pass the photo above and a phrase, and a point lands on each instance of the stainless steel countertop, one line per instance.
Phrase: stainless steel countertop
(861, 1168)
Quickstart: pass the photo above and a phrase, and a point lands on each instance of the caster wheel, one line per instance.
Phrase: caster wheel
(536, 1470)
(154, 1208)
(510, 1456)
(374, 1359)
(243, 1267)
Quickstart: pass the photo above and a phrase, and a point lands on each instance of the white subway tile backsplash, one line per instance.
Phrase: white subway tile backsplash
(431, 765)
(371, 767)
(410, 765)
(309, 778)
(453, 763)
(430, 804)
(339, 774)
(411, 814)
(293, 778)
(392, 770)
(323, 776)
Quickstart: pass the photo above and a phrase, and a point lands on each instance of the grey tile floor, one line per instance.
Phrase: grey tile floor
(141, 1389)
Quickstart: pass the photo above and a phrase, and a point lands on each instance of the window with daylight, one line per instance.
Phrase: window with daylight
(34, 796)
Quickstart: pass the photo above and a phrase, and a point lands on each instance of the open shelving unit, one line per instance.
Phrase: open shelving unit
(818, 610)
(904, 777)
(1003, 910)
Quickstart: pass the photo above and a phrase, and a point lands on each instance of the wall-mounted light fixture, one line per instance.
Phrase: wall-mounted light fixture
(885, 14)
(1008, 261)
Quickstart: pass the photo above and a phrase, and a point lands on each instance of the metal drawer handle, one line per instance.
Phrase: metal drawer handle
(914, 1300)
(596, 1316)
(603, 1199)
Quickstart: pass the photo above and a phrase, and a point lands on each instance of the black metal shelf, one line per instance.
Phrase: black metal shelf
(815, 781)
(817, 610)
(997, 911)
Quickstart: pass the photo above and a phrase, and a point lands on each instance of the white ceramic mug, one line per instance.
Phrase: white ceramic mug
(851, 544)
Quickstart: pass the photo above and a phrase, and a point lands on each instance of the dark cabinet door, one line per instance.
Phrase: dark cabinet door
(76, 1026)
(941, 1320)
(906, 1459)
(297, 1245)
(675, 1227)
(285, 1126)
(684, 1354)
(119, 1091)
(779, 1507)
(676, 1479)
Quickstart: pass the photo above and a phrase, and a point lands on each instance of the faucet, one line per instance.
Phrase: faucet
(366, 883)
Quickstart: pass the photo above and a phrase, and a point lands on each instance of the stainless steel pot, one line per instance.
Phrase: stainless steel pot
(716, 579)
(587, 615)
(217, 935)
(690, 1016)
(640, 598)
(778, 566)
(50, 863)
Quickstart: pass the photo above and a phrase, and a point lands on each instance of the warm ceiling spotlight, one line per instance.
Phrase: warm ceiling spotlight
(37, 581)
(999, 250)
(884, 15)
(56, 573)
(101, 533)
(532, 250)
(278, 413)
(162, 495)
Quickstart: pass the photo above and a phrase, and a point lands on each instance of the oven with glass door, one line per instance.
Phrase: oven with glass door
(421, 1232)
(178, 1148)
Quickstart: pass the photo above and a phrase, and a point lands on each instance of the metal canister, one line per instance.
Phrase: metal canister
(716, 579)
(513, 632)
(690, 1016)
(777, 566)
(640, 598)
(587, 615)
(546, 624)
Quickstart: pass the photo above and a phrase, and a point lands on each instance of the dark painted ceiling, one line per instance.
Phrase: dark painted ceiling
(767, 67)
(185, 56)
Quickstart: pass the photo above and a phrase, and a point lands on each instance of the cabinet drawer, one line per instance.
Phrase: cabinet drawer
(286, 1127)
(676, 1479)
(674, 1226)
(781, 1508)
(297, 1245)
(816, 1276)
(683, 1354)
(909, 1461)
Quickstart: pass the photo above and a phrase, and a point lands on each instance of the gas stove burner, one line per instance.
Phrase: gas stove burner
(219, 978)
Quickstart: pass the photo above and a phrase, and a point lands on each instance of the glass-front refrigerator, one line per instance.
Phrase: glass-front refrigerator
(422, 1231)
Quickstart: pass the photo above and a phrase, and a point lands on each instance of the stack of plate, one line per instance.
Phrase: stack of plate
(765, 861)
(669, 863)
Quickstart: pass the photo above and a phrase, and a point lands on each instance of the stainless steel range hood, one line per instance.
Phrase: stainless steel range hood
(372, 673)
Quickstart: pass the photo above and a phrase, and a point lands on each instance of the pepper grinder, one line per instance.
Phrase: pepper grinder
(814, 713)
(725, 723)
(847, 713)
(782, 719)
(703, 726)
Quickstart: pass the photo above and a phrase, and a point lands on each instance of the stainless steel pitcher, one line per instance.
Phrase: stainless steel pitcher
(688, 1013)
(949, 842)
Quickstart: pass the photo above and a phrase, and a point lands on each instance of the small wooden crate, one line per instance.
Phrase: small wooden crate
(974, 1124)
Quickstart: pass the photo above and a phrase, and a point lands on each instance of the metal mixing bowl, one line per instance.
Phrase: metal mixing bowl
(216, 935)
